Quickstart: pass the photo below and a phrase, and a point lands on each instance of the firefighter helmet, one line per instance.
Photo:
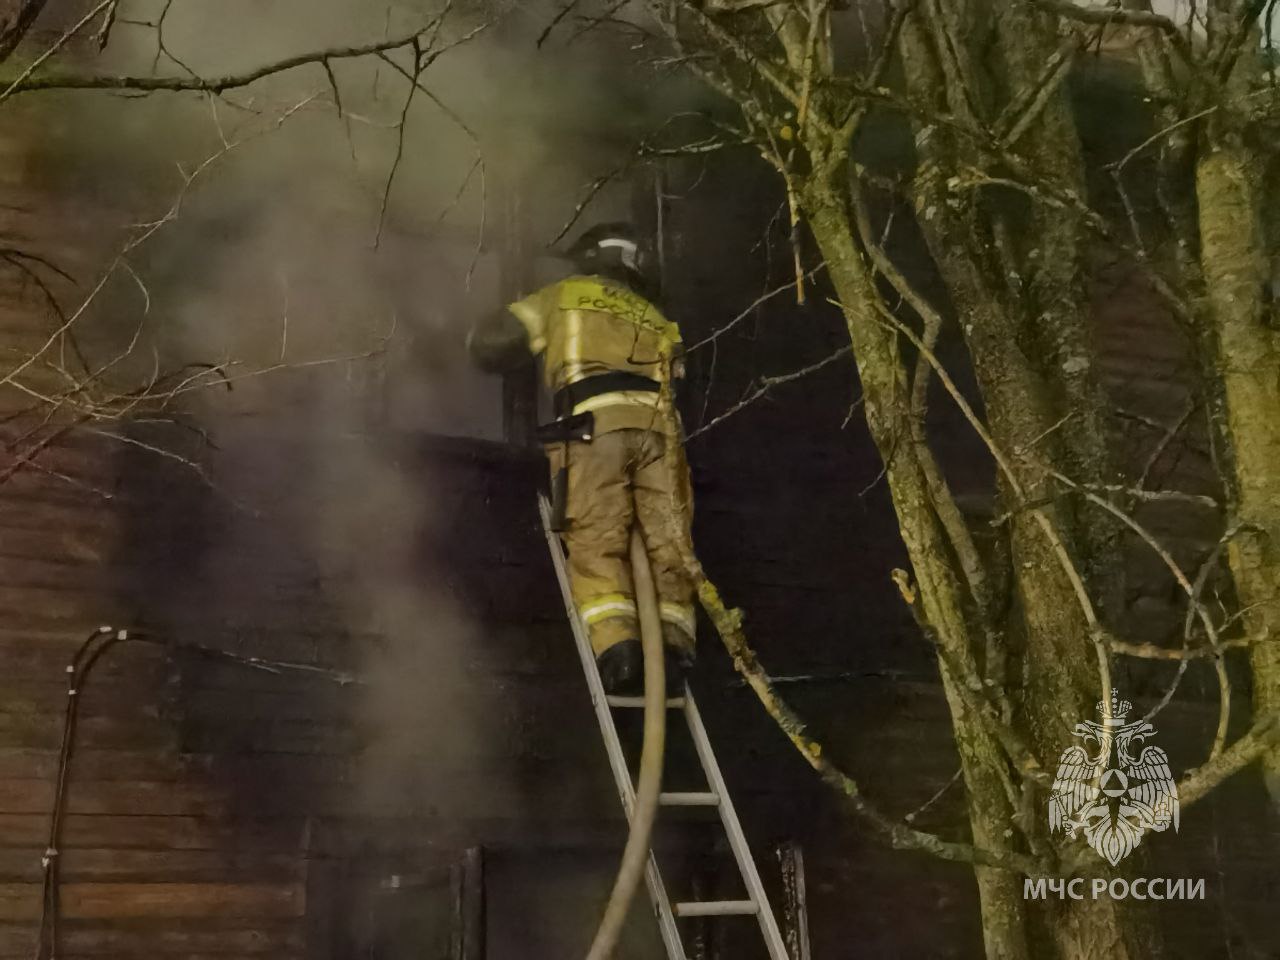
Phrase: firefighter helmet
(612, 249)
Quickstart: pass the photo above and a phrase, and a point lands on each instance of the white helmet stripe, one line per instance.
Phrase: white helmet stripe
(627, 247)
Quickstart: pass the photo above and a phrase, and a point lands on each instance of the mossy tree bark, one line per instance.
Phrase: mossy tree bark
(885, 393)
(1244, 360)
(1000, 187)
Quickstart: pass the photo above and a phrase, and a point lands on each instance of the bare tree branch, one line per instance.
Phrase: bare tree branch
(1107, 16)
(763, 385)
(13, 30)
(1247, 23)
(741, 6)
(1021, 114)
(61, 42)
(108, 21)
(1153, 651)
(1264, 735)
(414, 83)
(1193, 598)
(74, 81)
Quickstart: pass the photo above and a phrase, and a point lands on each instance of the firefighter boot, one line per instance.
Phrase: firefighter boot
(675, 667)
(622, 669)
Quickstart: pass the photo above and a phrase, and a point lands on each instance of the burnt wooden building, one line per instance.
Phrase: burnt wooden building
(363, 732)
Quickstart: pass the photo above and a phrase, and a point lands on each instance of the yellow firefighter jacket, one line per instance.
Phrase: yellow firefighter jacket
(586, 326)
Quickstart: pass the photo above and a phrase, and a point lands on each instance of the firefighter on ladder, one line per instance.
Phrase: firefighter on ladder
(614, 458)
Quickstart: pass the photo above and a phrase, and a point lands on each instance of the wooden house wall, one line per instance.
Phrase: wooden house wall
(221, 810)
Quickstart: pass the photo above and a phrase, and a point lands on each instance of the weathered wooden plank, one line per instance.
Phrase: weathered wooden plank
(64, 540)
(156, 832)
(23, 865)
(100, 901)
(294, 697)
(72, 609)
(298, 698)
(125, 696)
(42, 655)
(38, 492)
(115, 797)
(91, 765)
(63, 544)
(302, 737)
(55, 573)
(187, 937)
(44, 731)
(147, 953)
(43, 525)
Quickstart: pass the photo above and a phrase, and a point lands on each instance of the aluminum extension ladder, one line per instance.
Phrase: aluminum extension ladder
(716, 795)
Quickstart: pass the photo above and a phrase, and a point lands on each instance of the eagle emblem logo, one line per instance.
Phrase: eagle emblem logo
(1113, 787)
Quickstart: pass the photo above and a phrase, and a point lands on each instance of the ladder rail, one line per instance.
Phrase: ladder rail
(717, 794)
(667, 926)
(773, 940)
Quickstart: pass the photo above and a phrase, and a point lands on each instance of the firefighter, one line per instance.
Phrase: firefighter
(614, 457)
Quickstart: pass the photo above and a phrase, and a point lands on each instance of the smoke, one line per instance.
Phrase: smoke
(296, 243)
(423, 705)
(336, 308)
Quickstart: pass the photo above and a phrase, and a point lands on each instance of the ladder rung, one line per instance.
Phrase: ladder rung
(699, 799)
(674, 703)
(717, 908)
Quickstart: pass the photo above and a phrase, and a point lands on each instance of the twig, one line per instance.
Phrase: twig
(555, 22)
(197, 468)
(58, 44)
(400, 128)
(1128, 158)
(1193, 596)
(758, 302)
(954, 779)
(1202, 577)
(108, 21)
(71, 481)
(1017, 118)
(342, 678)
(763, 385)
(1154, 496)
(584, 201)
(333, 86)
(1174, 429)
(145, 232)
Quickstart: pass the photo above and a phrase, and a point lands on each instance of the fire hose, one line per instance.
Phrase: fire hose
(649, 783)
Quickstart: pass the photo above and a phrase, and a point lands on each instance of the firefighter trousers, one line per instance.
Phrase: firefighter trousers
(617, 479)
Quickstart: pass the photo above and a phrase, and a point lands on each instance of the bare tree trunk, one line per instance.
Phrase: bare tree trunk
(886, 400)
(1039, 126)
(1046, 618)
(1246, 362)
(1088, 929)
(1023, 318)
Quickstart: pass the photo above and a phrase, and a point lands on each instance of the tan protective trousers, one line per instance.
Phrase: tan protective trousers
(614, 480)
